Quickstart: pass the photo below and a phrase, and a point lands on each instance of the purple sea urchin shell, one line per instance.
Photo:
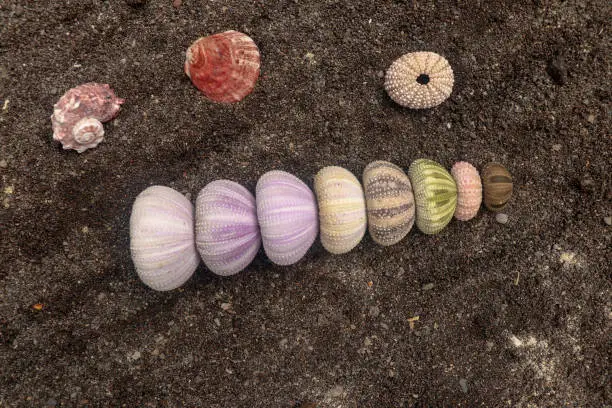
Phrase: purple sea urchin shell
(92, 101)
(227, 233)
(287, 214)
(162, 238)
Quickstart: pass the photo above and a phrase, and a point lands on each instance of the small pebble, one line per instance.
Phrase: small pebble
(134, 356)
(335, 392)
(177, 3)
(591, 118)
(226, 306)
(374, 311)
(556, 147)
(463, 384)
(3, 163)
(501, 218)
(428, 286)
(608, 220)
(51, 403)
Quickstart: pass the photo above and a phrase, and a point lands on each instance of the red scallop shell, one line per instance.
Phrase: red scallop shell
(224, 66)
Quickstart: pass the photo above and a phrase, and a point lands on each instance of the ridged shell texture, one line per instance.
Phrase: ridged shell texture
(469, 190)
(162, 239)
(389, 202)
(419, 80)
(287, 215)
(342, 209)
(227, 232)
(224, 66)
(497, 185)
(78, 115)
(435, 194)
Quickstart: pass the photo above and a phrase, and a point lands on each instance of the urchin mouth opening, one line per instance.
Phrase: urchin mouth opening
(423, 79)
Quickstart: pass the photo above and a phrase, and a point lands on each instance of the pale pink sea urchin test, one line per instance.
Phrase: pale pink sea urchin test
(78, 115)
(469, 190)
(419, 80)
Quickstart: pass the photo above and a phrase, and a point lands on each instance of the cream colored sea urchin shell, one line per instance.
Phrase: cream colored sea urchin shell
(419, 80)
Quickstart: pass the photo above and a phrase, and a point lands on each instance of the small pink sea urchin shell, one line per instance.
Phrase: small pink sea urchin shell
(224, 66)
(419, 80)
(78, 115)
(469, 190)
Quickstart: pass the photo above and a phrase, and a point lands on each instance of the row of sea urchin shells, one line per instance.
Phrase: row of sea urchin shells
(286, 216)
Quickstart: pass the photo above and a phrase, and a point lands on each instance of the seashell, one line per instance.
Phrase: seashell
(87, 131)
(78, 115)
(224, 66)
(227, 233)
(389, 202)
(497, 184)
(287, 215)
(435, 194)
(162, 239)
(342, 209)
(419, 80)
(469, 190)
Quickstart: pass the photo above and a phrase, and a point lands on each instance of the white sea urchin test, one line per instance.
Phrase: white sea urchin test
(419, 80)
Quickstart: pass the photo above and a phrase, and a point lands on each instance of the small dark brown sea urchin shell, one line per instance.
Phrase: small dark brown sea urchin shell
(497, 184)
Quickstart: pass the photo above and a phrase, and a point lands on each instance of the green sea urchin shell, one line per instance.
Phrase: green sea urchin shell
(435, 194)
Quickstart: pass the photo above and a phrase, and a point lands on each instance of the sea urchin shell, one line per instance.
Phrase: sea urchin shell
(435, 194)
(162, 239)
(389, 202)
(497, 185)
(342, 209)
(419, 80)
(469, 190)
(287, 215)
(227, 233)
(78, 115)
(224, 66)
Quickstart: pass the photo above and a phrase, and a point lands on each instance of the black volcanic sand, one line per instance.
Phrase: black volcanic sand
(514, 315)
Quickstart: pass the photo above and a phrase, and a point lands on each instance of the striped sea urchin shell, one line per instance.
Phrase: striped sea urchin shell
(435, 194)
(287, 215)
(497, 185)
(389, 202)
(162, 240)
(419, 80)
(224, 66)
(469, 190)
(342, 209)
(227, 232)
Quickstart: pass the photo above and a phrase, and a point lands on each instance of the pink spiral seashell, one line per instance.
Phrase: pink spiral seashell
(469, 190)
(88, 131)
(224, 66)
(92, 101)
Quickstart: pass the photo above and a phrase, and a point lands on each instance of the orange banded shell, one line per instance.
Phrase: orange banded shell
(224, 66)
